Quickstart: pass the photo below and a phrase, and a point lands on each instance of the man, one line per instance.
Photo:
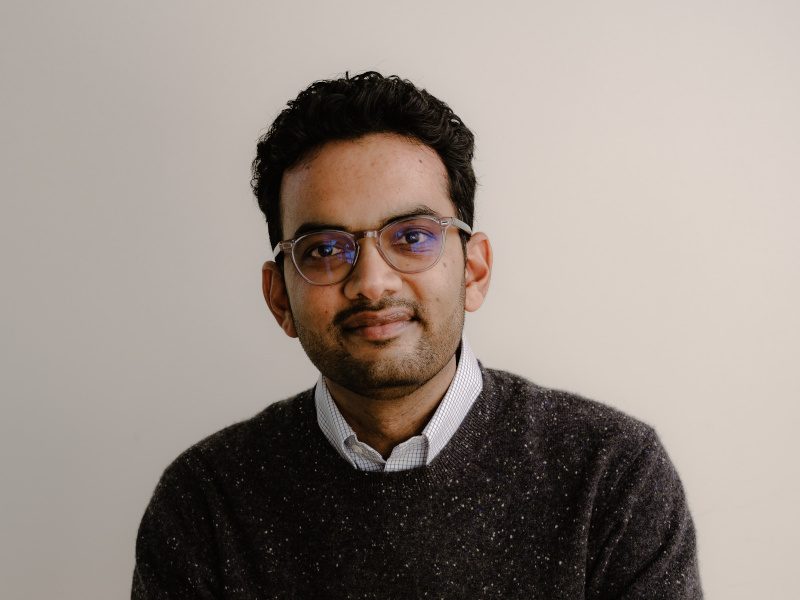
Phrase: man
(409, 470)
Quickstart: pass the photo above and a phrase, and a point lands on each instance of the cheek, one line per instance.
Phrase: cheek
(442, 290)
(312, 304)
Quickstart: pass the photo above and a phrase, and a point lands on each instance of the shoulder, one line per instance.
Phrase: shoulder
(568, 422)
(616, 456)
(273, 432)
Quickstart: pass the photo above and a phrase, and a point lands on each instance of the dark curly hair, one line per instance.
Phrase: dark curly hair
(351, 107)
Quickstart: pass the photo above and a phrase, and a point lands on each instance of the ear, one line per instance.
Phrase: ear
(274, 288)
(477, 271)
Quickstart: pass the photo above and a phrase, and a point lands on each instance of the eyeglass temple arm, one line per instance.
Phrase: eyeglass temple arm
(280, 247)
(460, 225)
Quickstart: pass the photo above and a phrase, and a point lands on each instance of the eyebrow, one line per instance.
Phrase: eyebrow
(311, 226)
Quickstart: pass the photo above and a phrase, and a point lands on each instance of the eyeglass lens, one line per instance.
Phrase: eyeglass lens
(410, 245)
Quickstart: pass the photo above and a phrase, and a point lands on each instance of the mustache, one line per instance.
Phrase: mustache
(367, 306)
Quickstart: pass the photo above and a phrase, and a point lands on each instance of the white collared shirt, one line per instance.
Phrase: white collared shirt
(419, 450)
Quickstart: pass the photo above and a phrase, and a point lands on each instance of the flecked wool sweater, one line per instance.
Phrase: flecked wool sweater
(539, 494)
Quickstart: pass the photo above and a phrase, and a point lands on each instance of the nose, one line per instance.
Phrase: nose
(372, 277)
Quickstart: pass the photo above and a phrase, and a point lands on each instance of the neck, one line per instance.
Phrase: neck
(384, 423)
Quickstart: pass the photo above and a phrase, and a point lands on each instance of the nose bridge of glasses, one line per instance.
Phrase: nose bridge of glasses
(376, 235)
(362, 235)
(366, 234)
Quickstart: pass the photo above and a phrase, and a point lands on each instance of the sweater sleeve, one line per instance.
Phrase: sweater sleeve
(643, 533)
(174, 546)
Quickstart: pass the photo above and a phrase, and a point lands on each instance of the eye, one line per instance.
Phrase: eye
(416, 236)
(324, 250)
(413, 236)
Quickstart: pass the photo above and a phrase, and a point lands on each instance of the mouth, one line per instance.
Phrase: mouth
(378, 325)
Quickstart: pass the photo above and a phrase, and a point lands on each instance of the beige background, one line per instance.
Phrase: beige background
(638, 164)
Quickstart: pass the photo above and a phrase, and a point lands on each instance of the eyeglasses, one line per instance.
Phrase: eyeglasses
(409, 245)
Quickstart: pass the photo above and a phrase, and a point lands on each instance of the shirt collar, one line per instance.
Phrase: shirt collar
(464, 389)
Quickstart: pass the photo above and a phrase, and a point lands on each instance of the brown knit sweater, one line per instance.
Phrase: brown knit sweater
(539, 494)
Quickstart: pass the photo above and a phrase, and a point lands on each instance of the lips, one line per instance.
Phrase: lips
(378, 325)
(375, 319)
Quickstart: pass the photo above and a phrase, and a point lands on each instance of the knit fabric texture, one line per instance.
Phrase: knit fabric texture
(539, 494)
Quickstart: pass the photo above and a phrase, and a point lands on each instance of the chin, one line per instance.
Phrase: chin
(401, 372)
(383, 367)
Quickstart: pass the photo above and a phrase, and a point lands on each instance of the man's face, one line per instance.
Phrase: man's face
(379, 332)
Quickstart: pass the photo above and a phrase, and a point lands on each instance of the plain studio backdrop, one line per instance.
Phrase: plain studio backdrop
(639, 172)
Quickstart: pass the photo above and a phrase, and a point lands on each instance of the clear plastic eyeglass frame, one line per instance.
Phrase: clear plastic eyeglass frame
(288, 246)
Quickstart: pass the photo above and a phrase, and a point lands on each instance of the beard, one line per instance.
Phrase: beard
(389, 373)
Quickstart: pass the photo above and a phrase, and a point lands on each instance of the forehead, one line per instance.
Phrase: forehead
(362, 183)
